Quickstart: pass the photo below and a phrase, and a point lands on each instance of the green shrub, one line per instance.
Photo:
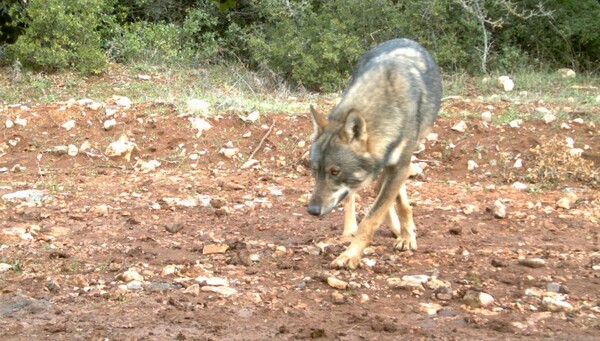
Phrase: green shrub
(62, 34)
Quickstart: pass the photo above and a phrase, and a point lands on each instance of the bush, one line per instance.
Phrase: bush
(62, 34)
(316, 44)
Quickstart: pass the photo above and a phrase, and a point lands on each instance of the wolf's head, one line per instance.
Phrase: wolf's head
(339, 160)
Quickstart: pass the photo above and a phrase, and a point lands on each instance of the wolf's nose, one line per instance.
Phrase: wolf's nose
(314, 210)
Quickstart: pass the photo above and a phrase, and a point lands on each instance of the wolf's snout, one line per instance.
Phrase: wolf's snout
(314, 209)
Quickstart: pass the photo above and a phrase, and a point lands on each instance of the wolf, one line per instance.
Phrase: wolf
(389, 105)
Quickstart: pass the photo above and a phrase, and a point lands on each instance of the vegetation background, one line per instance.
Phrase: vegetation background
(311, 44)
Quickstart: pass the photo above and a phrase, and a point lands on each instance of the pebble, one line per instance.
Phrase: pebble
(556, 305)
(486, 116)
(223, 291)
(533, 262)
(337, 283)
(135, 285)
(338, 298)
(477, 299)
(131, 275)
(471, 165)
(499, 210)
(173, 227)
(461, 127)
(214, 248)
(5, 267)
(193, 289)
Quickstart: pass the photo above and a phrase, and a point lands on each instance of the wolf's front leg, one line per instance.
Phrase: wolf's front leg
(350, 226)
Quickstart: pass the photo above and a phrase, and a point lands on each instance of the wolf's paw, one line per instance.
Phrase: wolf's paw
(347, 260)
(406, 243)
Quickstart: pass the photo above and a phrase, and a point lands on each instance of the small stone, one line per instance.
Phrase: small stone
(518, 163)
(200, 125)
(122, 101)
(431, 137)
(173, 227)
(135, 285)
(461, 127)
(168, 270)
(549, 118)
(52, 285)
(338, 298)
(223, 291)
(476, 299)
(533, 262)
(430, 308)
(565, 126)
(131, 275)
(471, 165)
(553, 287)
(193, 290)
(564, 203)
(72, 150)
(212, 281)
(5, 267)
(499, 210)
(20, 121)
(215, 248)
(506, 83)
(9, 124)
(229, 152)
(515, 123)
(469, 209)
(68, 125)
(519, 186)
(197, 106)
(486, 116)
(555, 305)
(109, 124)
(336, 283)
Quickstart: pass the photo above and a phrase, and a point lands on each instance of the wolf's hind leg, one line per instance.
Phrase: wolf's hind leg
(407, 239)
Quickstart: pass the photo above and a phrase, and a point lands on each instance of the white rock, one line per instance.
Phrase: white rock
(212, 281)
(122, 147)
(477, 299)
(110, 112)
(250, 163)
(144, 77)
(85, 146)
(486, 116)
(569, 142)
(564, 202)
(567, 73)
(575, 151)
(168, 270)
(252, 117)
(506, 83)
(543, 110)
(549, 118)
(416, 278)
(518, 163)
(430, 308)
(108, 124)
(565, 125)
(70, 124)
(20, 121)
(200, 125)
(578, 120)
(9, 124)
(72, 150)
(515, 123)
(468, 209)
(337, 283)
(5, 267)
(301, 144)
(533, 262)
(499, 210)
(555, 305)
(229, 152)
(432, 137)
(223, 291)
(145, 167)
(131, 275)
(122, 101)
(28, 194)
(460, 127)
(198, 106)
(471, 165)
(414, 169)
(94, 106)
(519, 185)
(135, 285)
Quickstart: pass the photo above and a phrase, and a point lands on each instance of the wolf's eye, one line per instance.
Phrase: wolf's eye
(334, 172)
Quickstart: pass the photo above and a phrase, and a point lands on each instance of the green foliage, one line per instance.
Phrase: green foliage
(316, 44)
(62, 34)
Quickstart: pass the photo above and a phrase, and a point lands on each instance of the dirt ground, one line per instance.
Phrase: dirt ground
(201, 248)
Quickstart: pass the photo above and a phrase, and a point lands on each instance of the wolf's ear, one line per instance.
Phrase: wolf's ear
(355, 128)
(319, 121)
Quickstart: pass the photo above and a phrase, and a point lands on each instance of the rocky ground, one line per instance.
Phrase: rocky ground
(123, 221)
